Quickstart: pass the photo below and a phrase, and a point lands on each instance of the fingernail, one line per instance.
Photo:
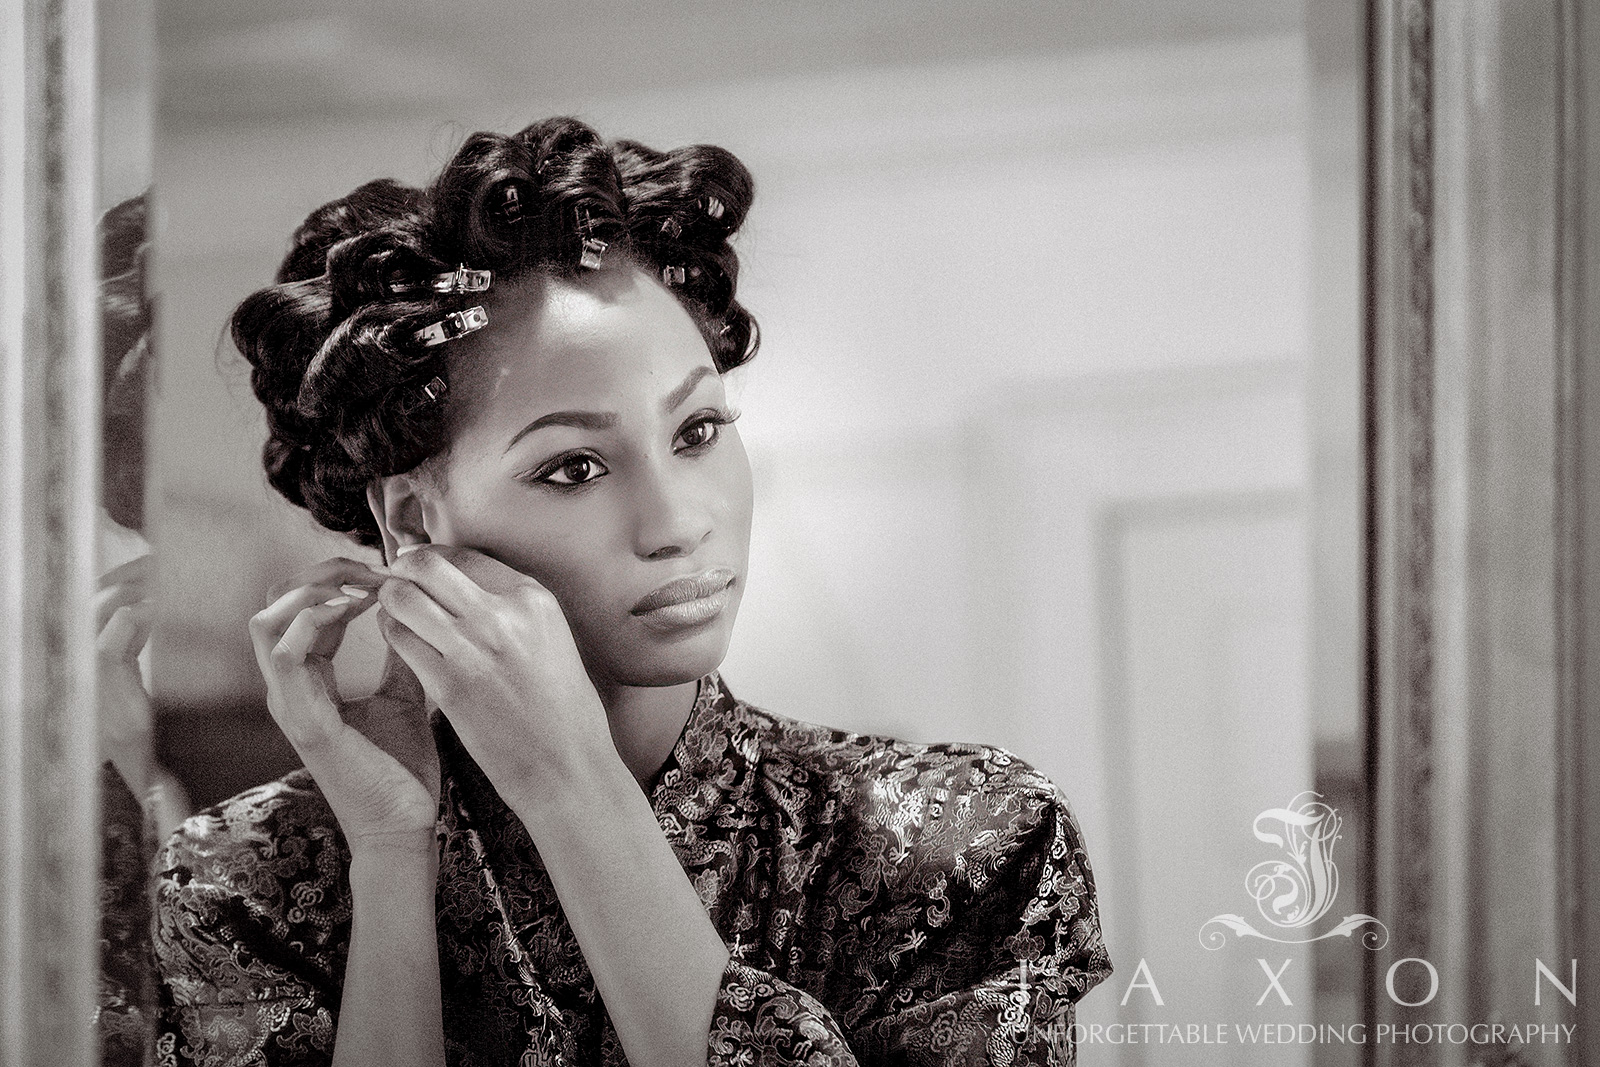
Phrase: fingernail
(403, 549)
(355, 591)
(339, 601)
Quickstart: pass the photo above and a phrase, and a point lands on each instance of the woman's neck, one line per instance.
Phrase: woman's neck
(646, 722)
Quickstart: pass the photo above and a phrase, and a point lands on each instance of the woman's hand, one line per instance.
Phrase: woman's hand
(123, 615)
(373, 759)
(493, 649)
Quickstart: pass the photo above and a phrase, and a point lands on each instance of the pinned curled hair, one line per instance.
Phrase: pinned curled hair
(125, 313)
(331, 344)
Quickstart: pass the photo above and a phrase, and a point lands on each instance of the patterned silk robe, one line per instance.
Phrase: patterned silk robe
(884, 903)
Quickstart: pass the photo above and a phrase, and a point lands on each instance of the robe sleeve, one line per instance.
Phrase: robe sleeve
(125, 1013)
(1037, 931)
(245, 928)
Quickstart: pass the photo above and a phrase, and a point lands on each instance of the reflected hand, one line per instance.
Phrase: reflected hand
(374, 759)
(493, 649)
(123, 614)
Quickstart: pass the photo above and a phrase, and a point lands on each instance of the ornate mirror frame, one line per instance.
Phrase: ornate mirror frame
(49, 487)
(1483, 405)
(1483, 416)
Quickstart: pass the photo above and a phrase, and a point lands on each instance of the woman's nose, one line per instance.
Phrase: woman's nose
(672, 519)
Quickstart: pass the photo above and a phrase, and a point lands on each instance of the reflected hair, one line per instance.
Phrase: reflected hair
(332, 347)
(125, 359)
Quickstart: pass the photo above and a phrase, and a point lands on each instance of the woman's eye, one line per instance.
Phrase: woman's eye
(699, 434)
(574, 470)
(702, 432)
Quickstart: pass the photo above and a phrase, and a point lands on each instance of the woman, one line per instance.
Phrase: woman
(128, 779)
(593, 852)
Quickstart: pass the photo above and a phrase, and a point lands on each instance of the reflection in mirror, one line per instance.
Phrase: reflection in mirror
(1054, 427)
(140, 802)
(123, 610)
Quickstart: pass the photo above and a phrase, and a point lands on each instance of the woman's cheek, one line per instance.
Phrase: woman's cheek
(738, 487)
(571, 563)
(515, 525)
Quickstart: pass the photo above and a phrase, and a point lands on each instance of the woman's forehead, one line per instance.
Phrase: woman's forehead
(603, 339)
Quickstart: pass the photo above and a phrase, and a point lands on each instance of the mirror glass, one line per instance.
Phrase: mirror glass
(1055, 422)
(140, 802)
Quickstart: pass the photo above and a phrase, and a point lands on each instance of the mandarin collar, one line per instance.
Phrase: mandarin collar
(705, 742)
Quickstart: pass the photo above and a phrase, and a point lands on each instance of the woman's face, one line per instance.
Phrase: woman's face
(591, 448)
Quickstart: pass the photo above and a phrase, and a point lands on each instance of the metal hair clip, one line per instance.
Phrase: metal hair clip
(511, 204)
(712, 206)
(672, 227)
(673, 275)
(463, 280)
(436, 388)
(594, 249)
(452, 326)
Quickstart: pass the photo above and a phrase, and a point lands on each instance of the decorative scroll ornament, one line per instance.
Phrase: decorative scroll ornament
(1294, 892)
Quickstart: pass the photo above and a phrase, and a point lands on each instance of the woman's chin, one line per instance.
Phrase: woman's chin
(659, 657)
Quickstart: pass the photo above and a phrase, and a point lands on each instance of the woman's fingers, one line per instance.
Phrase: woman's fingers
(351, 594)
(484, 571)
(425, 661)
(124, 635)
(295, 637)
(302, 633)
(300, 689)
(374, 792)
(422, 614)
(114, 595)
(302, 693)
(330, 635)
(271, 624)
(135, 570)
(433, 569)
(331, 579)
(332, 572)
(470, 590)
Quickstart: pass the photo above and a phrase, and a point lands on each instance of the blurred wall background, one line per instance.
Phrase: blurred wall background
(1055, 423)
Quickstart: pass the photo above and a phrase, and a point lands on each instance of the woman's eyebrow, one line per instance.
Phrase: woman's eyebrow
(604, 420)
(583, 420)
(681, 393)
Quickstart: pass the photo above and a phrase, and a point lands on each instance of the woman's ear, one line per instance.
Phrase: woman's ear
(396, 504)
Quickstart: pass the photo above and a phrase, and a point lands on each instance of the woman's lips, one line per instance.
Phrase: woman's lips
(687, 601)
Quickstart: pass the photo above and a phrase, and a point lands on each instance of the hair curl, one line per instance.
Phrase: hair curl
(330, 344)
(125, 314)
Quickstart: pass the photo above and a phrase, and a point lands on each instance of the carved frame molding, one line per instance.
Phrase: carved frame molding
(1483, 413)
(49, 479)
(1578, 559)
(1400, 473)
